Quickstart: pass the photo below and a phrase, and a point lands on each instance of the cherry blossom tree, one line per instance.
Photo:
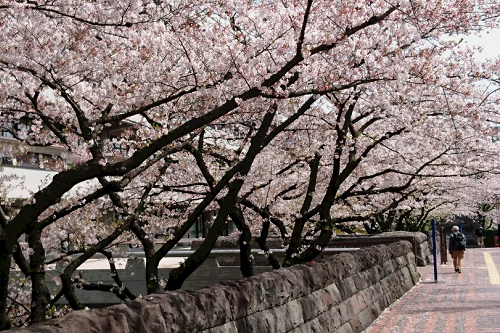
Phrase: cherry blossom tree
(295, 112)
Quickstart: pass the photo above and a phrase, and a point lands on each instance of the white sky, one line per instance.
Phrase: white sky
(490, 43)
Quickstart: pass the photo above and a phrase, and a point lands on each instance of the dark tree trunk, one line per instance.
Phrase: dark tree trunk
(312, 251)
(245, 242)
(152, 283)
(262, 241)
(40, 295)
(5, 259)
(69, 292)
(152, 259)
(296, 239)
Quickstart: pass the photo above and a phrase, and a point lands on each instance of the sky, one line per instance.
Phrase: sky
(489, 41)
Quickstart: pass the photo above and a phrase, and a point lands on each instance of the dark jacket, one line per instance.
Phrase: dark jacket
(453, 242)
(480, 232)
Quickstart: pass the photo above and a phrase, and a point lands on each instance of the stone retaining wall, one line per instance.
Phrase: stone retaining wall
(419, 241)
(342, 294)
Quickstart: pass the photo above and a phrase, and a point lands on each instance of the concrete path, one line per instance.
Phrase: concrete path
(458, 303)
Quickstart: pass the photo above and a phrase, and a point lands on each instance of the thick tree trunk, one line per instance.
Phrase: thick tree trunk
(5, 259)
(152, 283)
(262, 241)
(245, 242)
(152, 259)
(312, 251)
(246, 261)
(40, 295)
(298, 229)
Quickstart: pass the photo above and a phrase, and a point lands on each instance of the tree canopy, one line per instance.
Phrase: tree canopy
(285, 117)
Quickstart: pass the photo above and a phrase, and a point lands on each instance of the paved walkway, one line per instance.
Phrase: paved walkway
(458, 303)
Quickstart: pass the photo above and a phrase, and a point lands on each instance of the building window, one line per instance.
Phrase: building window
(6, 129)
(5, 133)
(5, 161)
(204, 222)
(49, 162)
(30, 160)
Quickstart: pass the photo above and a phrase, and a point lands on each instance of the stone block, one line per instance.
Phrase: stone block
(346, 328)
(388, 267)
(367, 296)
(329, 320)
(344, 312)
(368, 277)
(366, 318)
(360, 281)
(355, 305)
(239, 297)
(325, 300)
(356, 325)
(347, 287)
(261, 322)
(335, 292)
(173, 307)
(278, 319)
(294, 314)
(226, 328)
(309, 307)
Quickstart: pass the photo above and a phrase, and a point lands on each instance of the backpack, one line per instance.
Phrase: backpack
(460, 241)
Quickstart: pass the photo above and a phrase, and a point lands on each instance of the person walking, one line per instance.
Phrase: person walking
(480, 236)
(456, 247)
